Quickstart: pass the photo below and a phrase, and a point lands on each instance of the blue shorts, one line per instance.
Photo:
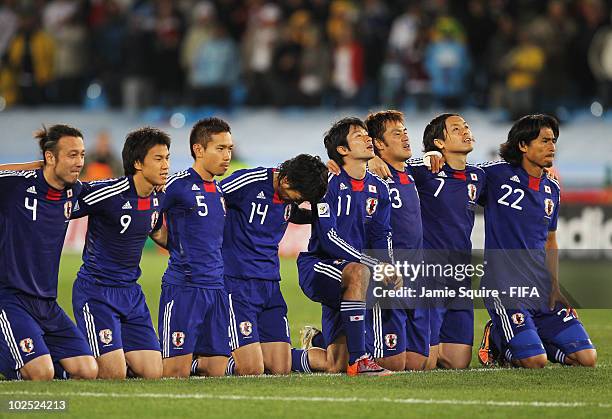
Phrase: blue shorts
(32, 327)
(193, 321)
(524, 331)
(391, 332)
(451, 326)
(113, 317)
(258, 312)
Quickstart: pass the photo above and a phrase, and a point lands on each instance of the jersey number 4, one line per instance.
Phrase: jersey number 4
(32, 206)
(509, 191)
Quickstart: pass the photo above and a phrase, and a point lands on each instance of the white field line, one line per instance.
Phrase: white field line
(205, 396)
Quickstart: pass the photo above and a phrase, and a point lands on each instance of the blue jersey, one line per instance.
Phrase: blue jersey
(353, 216)
(405, 210)
(448, 200)
(195, 216)
(520, 211)
(33, 221)
(118, 226)
(256, 222)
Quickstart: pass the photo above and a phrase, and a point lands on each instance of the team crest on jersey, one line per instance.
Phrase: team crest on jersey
(518, 319)
(391, 340)
(67, 209)
(106, 336)
(27, 345)
(371, 204)
(246, 328)
(154, 218)
(287, 214)
(549, 206)
(323, 209)
(472, 191)
(178, 338)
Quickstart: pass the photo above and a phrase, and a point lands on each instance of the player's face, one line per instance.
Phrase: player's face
(68, 163)
(156, 165)
(397, 143)
(288, 195)
(218, 153)
(458, 137)
(541, 151)
(360, 144)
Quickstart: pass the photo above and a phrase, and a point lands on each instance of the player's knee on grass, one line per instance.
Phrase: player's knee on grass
(415, 361)
(249, 368)
(112, 366)
(81, 367)
(584, 358)
(393, 363)
(177, 366)
(146, 364)
(39, 369)
(355, 280)
(337, 356)
(432, 359)
(454, 356)
(533, 362)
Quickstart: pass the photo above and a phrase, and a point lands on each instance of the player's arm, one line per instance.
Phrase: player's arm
(160, 236)
(300, 215)
(33, 165)
(334, 245)
(552, 264)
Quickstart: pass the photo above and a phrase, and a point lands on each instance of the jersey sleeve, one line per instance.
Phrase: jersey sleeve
(418, 170)
(91, 198)
(10, 179)
(555, 215)
(233, 185)
(483, 184)
(379, 229)
(333, 244)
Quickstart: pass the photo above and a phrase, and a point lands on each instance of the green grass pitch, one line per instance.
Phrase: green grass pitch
(553, 392)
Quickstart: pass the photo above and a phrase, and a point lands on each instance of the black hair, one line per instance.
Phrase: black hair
(336, 137)
(524, 131)
(377, 121)
(49, 137)
(435, 131)
(305, 174)
(203, 130)
(137, 145)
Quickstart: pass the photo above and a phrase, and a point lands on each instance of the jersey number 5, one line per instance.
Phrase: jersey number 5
(515, 205)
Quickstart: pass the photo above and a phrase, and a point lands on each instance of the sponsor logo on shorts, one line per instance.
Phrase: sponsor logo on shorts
(106, 336)
(391, 340)
(27, 345)
(518, 319)
(178, 338)
(246, 328)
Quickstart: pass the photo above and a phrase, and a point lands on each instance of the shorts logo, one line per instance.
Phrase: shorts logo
(518, 319)
(154, 218)
(27, 345)
(471, 191)
(548, 206)
(323, 209)
(391, 340)
(287, 212)
(178, 338)
(371, 204)
(68, 209)
(246, 328)
(106, 336)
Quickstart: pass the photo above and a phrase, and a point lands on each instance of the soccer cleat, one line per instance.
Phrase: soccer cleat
(366, 366)
(307, 334)
(488, 355)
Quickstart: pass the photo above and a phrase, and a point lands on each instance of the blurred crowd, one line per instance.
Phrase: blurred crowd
(517, 55)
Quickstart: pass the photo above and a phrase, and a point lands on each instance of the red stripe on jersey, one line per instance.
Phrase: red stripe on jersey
(357, 185)
(404, 179)
(53, 195)
(210, 187)
(460, 175)
(276, 199)
(144, 204)
(534, 183)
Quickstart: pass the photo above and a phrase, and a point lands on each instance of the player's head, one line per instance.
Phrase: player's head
(348, 139)
(390, 135)
(448, 133)
(211, 145)
(147, 152)
(302, 178)
(533, 137)
(63, 151)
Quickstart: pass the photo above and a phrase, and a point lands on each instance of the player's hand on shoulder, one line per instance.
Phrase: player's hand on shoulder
(434, 160)
(333, 167)
(377, 166)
